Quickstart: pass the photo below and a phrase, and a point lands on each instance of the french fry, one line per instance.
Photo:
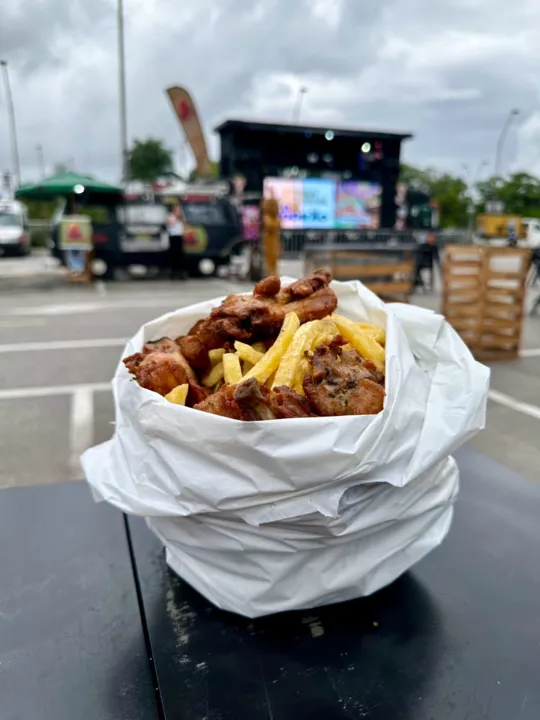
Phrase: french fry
(304, 336)
(178, 395)
(232, 371)
(376, 332)
(269, 363)
(214, 376)
(259, 347)
(363, 343)
(270, 382)
(216, 356)
(246, 352)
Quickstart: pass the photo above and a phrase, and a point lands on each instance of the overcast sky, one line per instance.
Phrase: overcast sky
(449, 72)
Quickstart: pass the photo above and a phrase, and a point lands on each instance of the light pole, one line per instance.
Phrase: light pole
(41, 160)
(471, 183)
(122, 88)
(298, 105)
(12, 124)
(502, 137)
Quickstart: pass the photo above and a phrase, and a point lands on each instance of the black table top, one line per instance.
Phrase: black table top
(71, 639)
(457, 638)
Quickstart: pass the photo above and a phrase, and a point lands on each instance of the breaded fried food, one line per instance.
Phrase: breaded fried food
(157, 371)
(268, 287)
(307, 286)
(195, 352)
(252, 401)
(223, 403)
(161, 366)
(343, 383)
(261, 315)
(261, 403)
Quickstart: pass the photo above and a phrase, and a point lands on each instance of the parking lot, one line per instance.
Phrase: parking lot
(59, 347)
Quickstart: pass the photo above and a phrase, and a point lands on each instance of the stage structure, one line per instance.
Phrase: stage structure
(261, 152)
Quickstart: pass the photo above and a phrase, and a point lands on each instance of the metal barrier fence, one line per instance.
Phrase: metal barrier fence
(294, 240)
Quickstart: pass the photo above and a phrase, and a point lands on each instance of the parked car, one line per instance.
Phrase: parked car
(14, 233)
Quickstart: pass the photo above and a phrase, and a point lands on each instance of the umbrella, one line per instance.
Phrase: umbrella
(66, 183)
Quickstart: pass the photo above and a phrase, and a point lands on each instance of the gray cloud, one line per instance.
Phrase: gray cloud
(448, 72)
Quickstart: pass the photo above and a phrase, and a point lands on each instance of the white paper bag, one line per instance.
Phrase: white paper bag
(268, 516)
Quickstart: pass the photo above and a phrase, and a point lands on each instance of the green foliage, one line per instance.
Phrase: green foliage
(519, 192)
(39, 236)
(450, 192)
(38, 210)
(149, 159)
(215, 173)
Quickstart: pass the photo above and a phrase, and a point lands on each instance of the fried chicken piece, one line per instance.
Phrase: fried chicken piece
(269, 287)
(223, 403)
(157, 371)
(260, 403)
(195, 352)
(252, 401)
(287, 403)
(343, 383)
(317, 306)
(305, 287)
(249, 317)
(161, 366)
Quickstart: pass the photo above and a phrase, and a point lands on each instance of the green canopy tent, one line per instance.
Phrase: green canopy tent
(69, 184)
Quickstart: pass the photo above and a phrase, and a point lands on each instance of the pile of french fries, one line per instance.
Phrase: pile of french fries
(288, 360)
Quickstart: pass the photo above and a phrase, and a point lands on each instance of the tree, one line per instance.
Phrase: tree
(149, 159)
(519, 193)
(215, 173)
(450, 192)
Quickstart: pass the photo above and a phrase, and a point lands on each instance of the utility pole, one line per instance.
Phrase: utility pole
(122, 87)
(41, 160)
(12, 124)
(298, 106)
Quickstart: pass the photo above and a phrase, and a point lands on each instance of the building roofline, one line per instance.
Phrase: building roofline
(233, 124)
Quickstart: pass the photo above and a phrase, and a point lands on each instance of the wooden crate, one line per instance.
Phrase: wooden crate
(388, 273)
(483, 297)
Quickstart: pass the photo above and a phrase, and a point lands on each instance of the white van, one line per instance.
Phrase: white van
(14, 234)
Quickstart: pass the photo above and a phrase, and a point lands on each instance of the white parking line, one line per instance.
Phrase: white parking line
(84, 344)
(510, 402)
(530, 352)
(81, 427)
(168, 302)
(52, 390)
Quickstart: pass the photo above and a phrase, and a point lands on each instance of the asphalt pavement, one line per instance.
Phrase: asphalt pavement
(59, 347)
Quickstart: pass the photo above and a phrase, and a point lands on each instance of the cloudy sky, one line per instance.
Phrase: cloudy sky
(447, 71)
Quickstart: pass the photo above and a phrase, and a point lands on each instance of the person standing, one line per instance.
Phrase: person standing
(175, 229)
(271, 235)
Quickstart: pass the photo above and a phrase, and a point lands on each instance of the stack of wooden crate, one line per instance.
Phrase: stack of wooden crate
(484, 297)
(387, 271)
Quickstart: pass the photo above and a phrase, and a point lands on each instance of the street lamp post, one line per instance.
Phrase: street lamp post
(298, 106)
(12, 124)
(502, 137)
(122, 87)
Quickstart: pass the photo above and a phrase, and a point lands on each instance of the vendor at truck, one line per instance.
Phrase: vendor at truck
(175, 229)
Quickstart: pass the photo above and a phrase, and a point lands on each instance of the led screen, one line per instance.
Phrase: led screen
(319, 204)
